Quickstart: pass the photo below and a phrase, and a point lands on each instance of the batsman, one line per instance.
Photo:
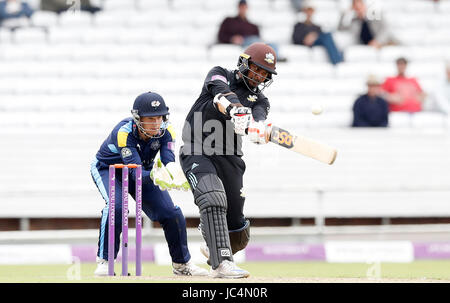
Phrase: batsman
(231, 105)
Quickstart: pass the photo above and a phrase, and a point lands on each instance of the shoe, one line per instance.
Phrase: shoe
(205, 251)
(188, 269)
(102, 267)
(229, 270)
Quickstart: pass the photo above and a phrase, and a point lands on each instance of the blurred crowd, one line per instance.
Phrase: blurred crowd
(399, 92)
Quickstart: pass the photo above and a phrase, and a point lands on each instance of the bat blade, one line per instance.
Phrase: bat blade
(303, 145)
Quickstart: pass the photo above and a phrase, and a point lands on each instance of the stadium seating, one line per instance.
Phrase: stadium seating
(63, 89)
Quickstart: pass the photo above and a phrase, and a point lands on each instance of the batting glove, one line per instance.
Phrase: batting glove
(257, 131)
(241, 116)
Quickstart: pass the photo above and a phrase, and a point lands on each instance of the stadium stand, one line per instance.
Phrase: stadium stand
(67, 82)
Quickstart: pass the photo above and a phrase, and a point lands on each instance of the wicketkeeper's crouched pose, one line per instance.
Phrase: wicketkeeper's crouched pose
(230, 106)
(137, 140)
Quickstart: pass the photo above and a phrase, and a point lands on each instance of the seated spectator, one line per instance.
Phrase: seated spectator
(403, 93)
(441, 95)
(309, 34)
(371, 110)
(297, 5)
(14, 13)
(238, 30)
(59, 6)
(367, 28)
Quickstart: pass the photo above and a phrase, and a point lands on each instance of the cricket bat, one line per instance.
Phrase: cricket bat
(302, 145)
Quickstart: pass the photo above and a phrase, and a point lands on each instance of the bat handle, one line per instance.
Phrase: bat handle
(268, 132)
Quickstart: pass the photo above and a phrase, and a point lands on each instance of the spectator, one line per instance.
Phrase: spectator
(403, 93)
(368, 28)
(371, 110)
(441, 96)
(297, 5)
(238, 30)
(59, 6)
(309, 34)
(14, 13)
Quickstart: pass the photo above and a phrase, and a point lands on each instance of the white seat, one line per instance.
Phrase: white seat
(319, 54)
(119, 5)
(228, 6)
(66, 35)
(224, 52)
(438, 38)
(187, 5)
(392, 53)
(412, 37)
(443, 6)
(136, 37)
(108, 20)
(429, 120)
(420, 7)
(349, 86)
(171, 36)
(354, 70)
(30, 35)
(426, 54)
(400, 120)
(343, 39)
(5, 36)
(78, 19)
(201, 36)
(327, 19)
(44, 18)
(439, 21)
(145, 5)
(361, 53)
(22, 53)
(426, 70)
(101, 35)
(276, 34)
(296, 53)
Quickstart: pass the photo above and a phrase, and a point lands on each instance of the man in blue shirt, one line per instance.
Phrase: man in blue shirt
(137, 140)
(371, 110)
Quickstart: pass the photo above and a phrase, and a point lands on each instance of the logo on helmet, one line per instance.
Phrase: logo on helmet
(252, 98)
(156, 103)
(270, 58)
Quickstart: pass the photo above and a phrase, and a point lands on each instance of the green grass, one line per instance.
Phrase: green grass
(59, 273)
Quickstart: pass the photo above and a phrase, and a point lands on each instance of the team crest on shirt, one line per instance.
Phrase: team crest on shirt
(155, 145)
(156, 103)
(252, 98)
(126, 152)
(270, 58)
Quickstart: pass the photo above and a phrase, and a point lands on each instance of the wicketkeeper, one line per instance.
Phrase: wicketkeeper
(137, 140)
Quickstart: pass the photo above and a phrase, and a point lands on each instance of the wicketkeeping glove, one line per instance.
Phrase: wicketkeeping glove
(161, 176)
(179, 181)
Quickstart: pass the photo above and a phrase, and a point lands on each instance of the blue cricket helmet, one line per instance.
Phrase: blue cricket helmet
(150, 104)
